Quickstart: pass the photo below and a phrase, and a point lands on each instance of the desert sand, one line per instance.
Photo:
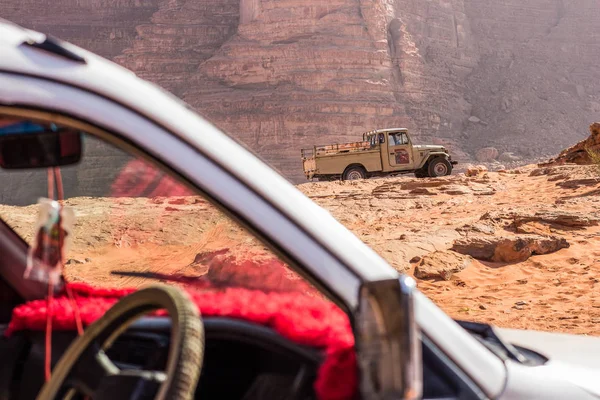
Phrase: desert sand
(404, 219)
(499, 217)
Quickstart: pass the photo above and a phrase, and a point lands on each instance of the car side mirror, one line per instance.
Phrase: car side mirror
(388, 341)
(26, 145)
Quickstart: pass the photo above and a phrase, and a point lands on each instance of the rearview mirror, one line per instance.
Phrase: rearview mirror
(388, 341)
(25, 145)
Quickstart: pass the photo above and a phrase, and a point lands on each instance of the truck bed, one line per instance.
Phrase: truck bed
(333, 149)
(320, 160)
(334, 163)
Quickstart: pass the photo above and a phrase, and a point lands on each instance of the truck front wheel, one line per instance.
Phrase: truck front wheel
(354, 173)
(439, 167)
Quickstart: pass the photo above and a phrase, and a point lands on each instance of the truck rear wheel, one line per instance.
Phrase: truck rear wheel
(354, 173)
(439, 167)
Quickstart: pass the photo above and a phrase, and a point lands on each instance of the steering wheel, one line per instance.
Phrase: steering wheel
(85, 368)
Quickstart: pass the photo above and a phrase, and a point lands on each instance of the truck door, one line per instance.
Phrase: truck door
(400, 154)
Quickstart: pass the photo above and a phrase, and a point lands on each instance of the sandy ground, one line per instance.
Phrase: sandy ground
(401, 218)
(557, 292)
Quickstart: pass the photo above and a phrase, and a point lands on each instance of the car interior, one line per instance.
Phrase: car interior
(243, 359)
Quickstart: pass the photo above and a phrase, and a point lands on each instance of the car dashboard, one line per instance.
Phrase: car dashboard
(241, 360)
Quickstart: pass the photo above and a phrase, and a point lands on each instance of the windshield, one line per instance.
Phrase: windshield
(134, 224)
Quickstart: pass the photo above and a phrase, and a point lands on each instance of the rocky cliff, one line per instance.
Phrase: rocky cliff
(536, 83)
(279, 75)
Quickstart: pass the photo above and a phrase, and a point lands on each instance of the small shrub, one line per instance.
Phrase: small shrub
(594, 158)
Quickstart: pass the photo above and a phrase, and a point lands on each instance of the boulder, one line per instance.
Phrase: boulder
(487, 154)
(476, 170)
(441, 265)
(508, 249)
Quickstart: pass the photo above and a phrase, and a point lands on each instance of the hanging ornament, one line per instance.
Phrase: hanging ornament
(46, 255)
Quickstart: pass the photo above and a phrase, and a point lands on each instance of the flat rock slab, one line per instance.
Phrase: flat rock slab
(476, 228)
(577, 183)
(509, 249)
(555, 218)
(441, 265)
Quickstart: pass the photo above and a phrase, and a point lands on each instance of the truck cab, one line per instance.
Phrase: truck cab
(395, 148)
(382, 152)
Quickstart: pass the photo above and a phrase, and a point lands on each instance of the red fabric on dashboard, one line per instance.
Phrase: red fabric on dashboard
(305, 320)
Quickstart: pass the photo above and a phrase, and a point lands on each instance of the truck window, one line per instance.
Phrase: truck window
(381, 138)
(394, 139)
(397, 138)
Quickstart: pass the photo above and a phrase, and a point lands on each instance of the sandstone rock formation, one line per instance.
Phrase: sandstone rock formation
(279, 75)
(475, 170)
(106, 27)
(578, 154)
(557, 219)
(441, 265)
(508, 249)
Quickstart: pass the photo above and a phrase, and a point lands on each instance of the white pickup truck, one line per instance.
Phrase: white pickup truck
(406, 347)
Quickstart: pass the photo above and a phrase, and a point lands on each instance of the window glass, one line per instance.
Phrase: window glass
(135, 224)
(391, 139)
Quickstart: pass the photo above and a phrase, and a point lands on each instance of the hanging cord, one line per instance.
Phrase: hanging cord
(54, 176)
(51, 183)
(49, 312)
(70, 295)
(49, 298)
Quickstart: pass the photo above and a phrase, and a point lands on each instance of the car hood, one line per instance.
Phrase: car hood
(574, 358)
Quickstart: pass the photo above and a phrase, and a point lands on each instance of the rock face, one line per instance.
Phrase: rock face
(177, 38)
(280, 75)
(508, 157)
(106, 27)
(535, 66)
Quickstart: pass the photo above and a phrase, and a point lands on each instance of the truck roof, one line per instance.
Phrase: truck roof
(385, 130)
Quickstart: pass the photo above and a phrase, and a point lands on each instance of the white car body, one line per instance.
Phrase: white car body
(109, 96)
